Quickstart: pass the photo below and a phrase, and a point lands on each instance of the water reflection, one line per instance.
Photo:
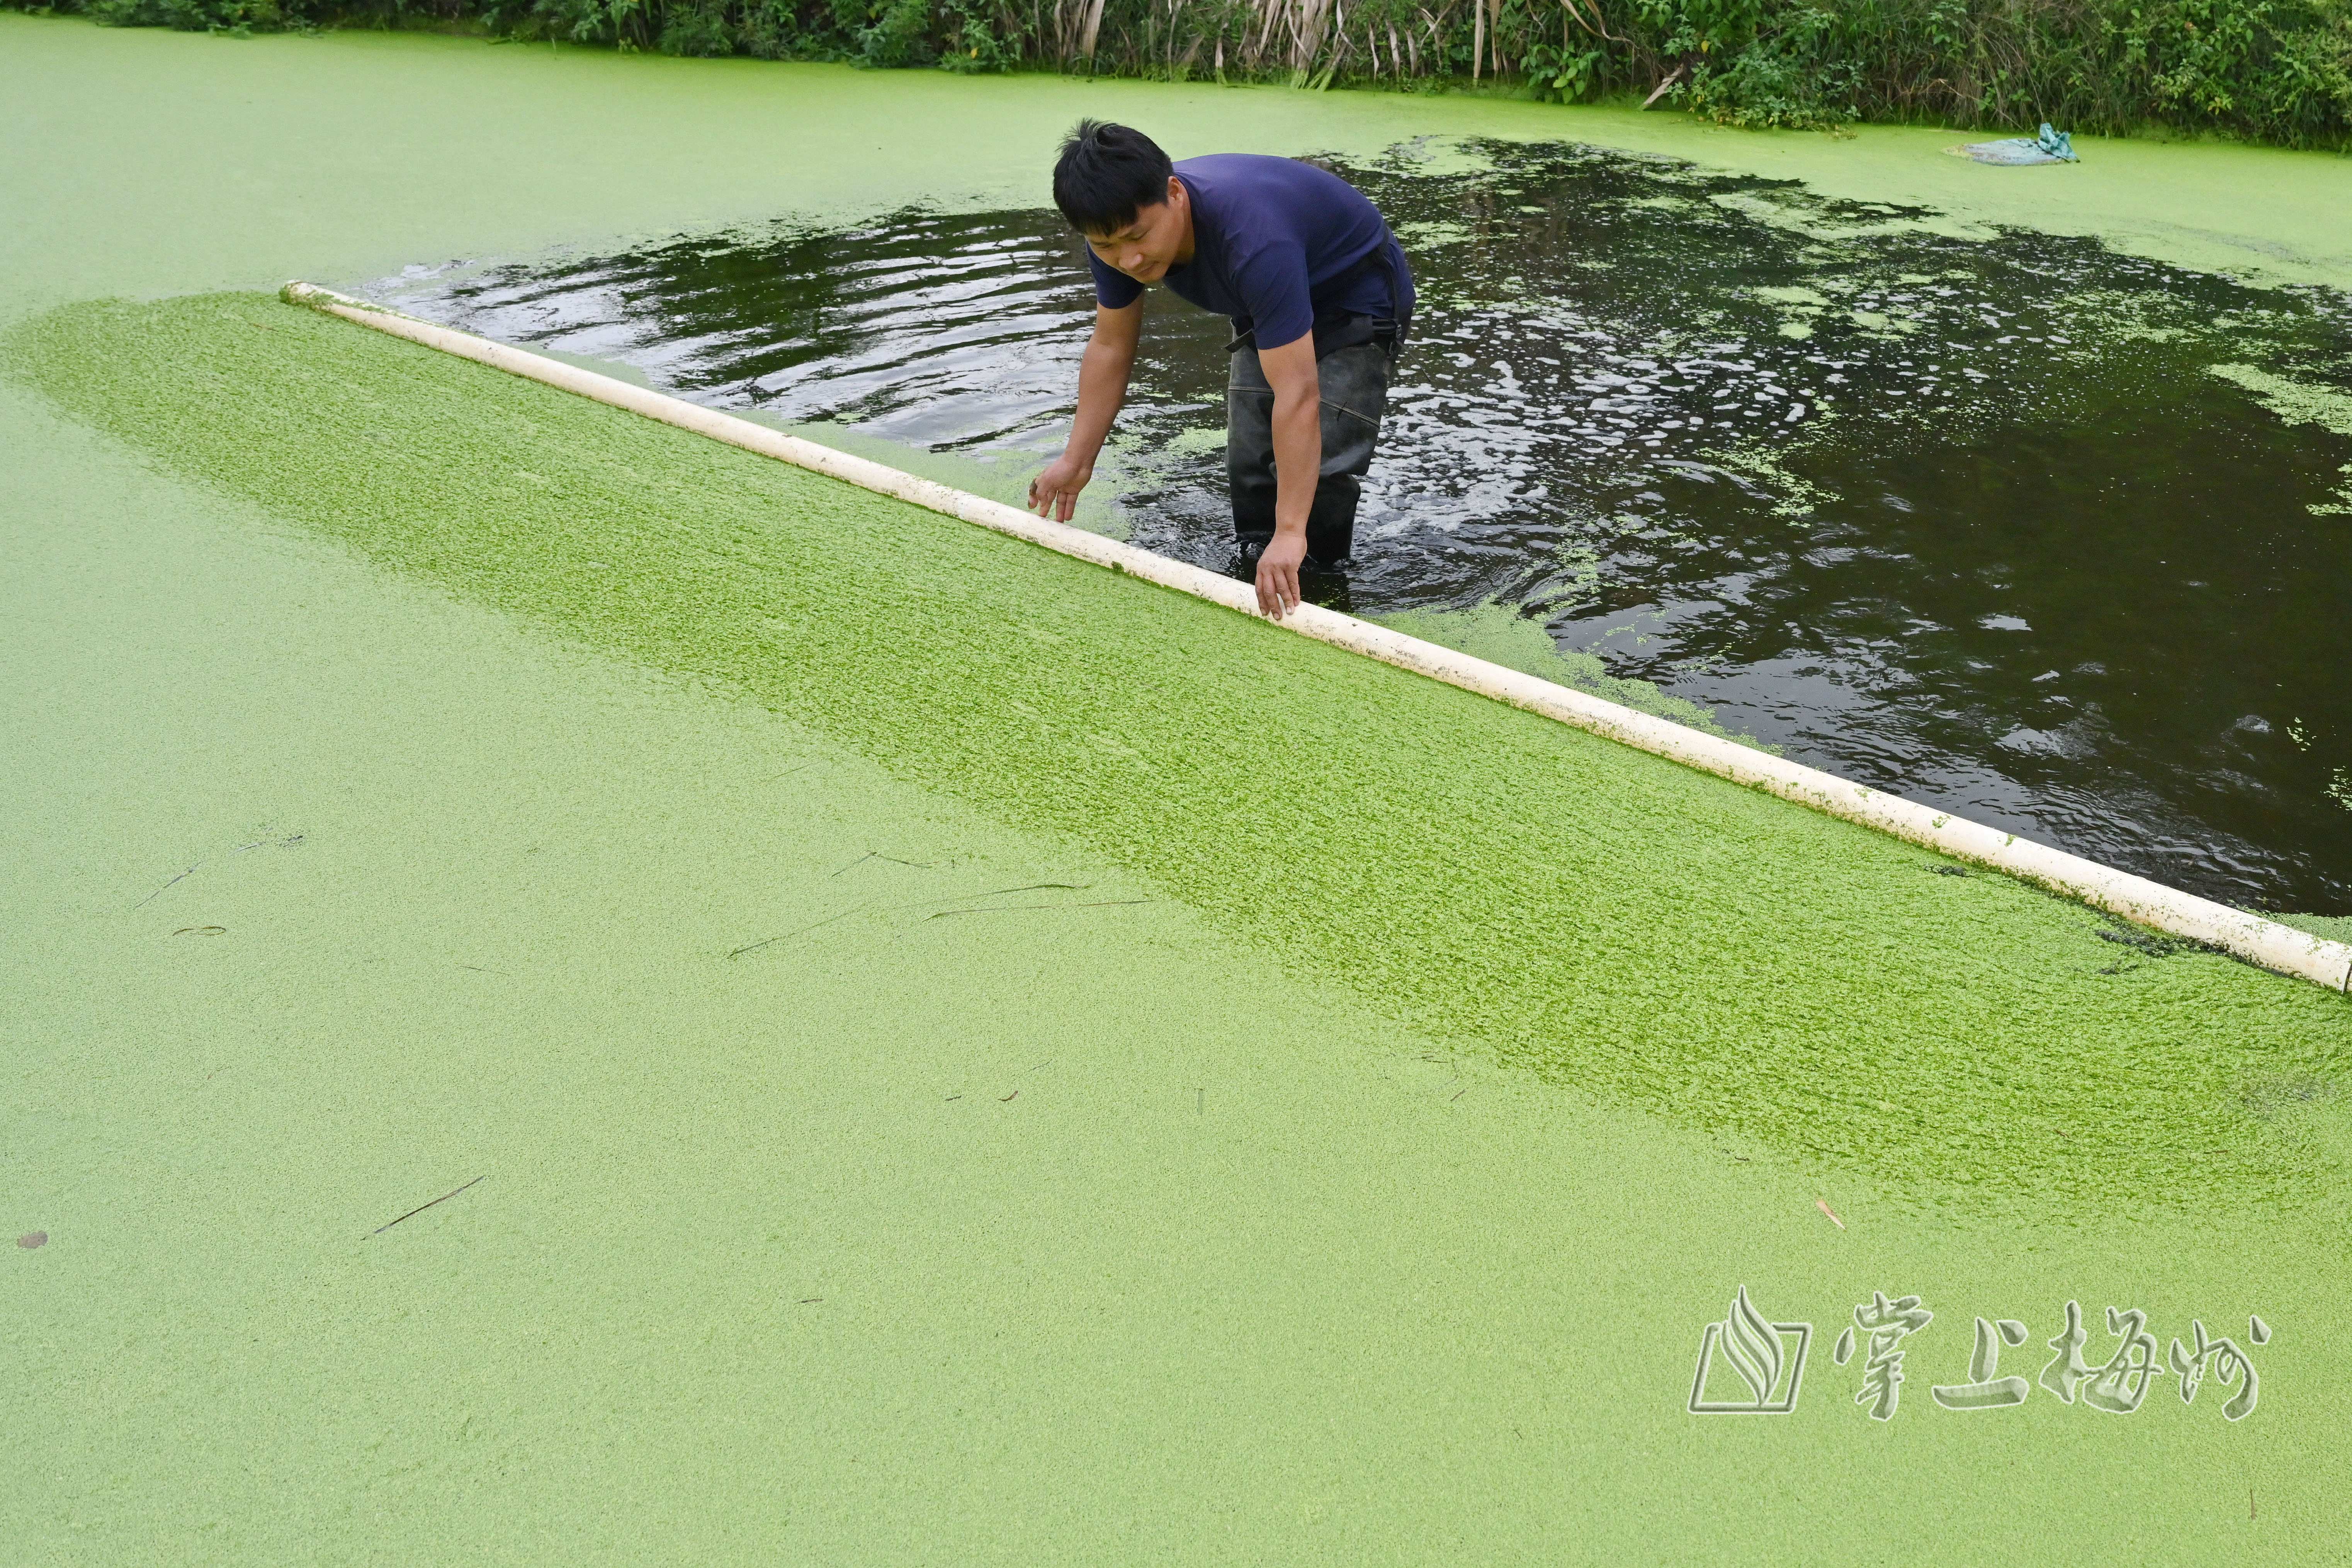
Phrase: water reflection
(2054, 537)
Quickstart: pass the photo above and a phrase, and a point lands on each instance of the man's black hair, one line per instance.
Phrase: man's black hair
(1107, 174)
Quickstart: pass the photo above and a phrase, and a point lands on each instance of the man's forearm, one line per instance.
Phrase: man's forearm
(1102, 389)
(1297, 457)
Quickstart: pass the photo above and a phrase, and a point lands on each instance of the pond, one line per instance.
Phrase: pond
(2057, 538)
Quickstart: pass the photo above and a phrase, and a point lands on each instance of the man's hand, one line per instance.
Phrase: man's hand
(1054, 492)
(1277, 573)
(1102, 387)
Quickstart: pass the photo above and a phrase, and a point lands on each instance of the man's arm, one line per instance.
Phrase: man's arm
(1297, 464)
(1102, 387)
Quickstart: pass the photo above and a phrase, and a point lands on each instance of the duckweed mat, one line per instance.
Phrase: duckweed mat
(1078, 1232)
(1594, 916)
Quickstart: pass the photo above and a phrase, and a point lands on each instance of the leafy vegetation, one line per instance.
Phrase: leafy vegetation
(2273, 71)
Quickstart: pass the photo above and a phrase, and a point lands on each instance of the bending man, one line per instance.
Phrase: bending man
(1319, 296)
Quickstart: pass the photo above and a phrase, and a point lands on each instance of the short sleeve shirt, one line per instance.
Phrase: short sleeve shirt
(1277, 245)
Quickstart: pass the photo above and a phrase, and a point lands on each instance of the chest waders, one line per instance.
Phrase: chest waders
(1354, 354)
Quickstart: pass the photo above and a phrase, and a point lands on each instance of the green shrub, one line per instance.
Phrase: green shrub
(2274, 70)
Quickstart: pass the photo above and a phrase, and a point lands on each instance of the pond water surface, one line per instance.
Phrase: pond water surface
(2054, 537)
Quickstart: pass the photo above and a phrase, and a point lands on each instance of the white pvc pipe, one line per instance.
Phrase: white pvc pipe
(2266, 942)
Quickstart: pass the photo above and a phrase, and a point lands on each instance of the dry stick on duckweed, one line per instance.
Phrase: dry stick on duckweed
(420, 1208)
(1002, 892)
(877, 855)
(770, 942)
(1009, 909)
(285, 843)
(159, 891)
(1824, 1207)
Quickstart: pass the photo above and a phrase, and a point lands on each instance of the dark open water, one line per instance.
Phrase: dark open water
(1974, 519)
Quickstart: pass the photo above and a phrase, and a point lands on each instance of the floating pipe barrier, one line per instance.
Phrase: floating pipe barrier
(2259, 941)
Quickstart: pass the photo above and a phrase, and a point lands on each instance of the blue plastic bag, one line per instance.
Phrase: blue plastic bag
(2049, 147)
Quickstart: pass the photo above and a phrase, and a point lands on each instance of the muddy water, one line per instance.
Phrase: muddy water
(2055, 537)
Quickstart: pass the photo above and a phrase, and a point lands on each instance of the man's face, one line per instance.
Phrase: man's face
(1147, 247)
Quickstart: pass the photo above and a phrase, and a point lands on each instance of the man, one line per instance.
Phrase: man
(1320, 299)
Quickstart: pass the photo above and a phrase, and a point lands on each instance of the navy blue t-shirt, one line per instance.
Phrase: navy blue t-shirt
(1276, 244)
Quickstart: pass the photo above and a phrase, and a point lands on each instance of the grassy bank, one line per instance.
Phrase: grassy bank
(2269, 70)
